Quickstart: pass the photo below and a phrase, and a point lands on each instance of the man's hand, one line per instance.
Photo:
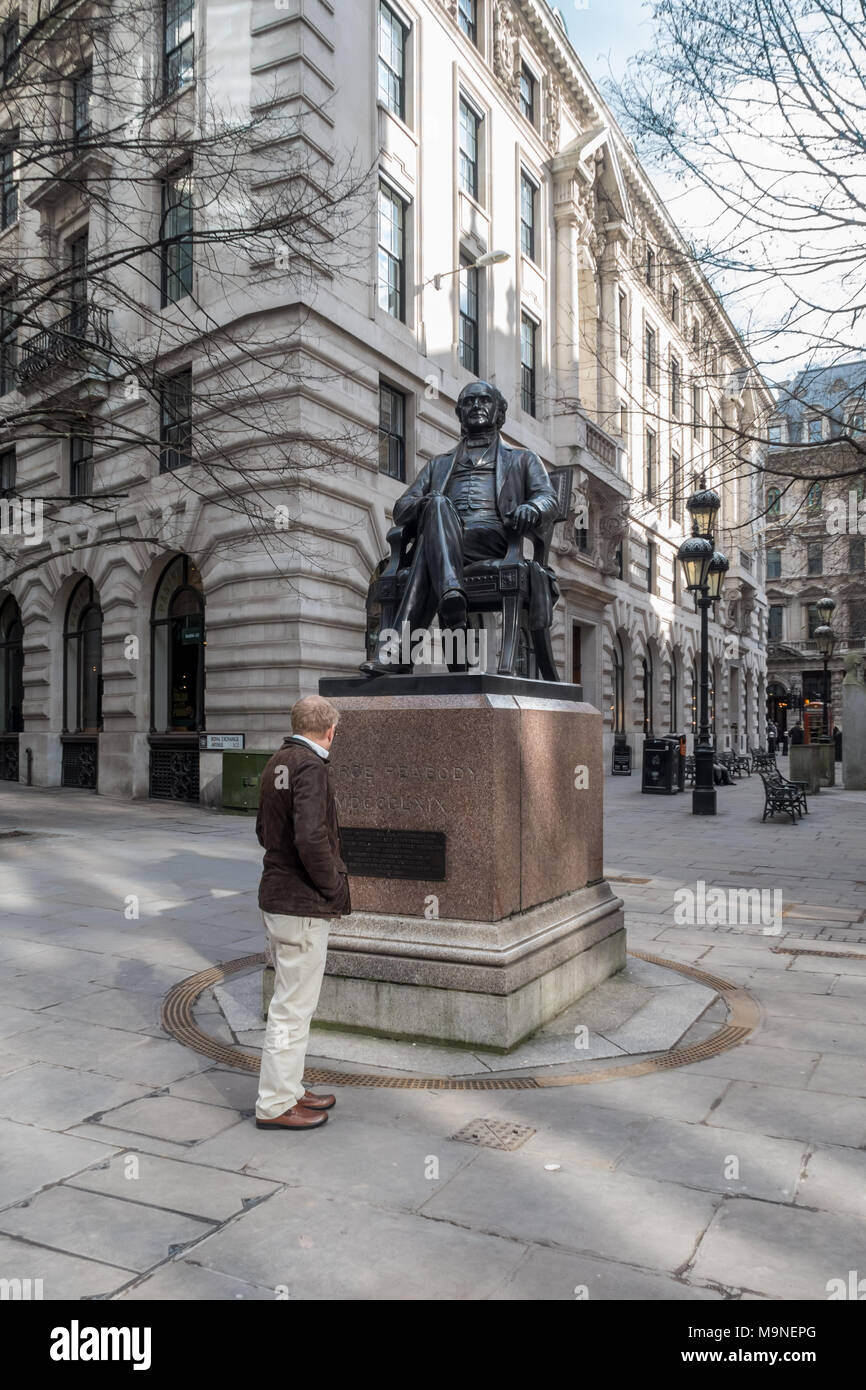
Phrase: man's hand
(525, 518)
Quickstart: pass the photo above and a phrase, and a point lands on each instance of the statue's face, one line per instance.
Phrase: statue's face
(477, 409)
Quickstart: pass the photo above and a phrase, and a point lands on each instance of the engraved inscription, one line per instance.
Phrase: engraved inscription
(409, 854)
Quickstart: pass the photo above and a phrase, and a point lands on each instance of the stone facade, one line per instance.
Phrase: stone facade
(637, 381)
(815, 536)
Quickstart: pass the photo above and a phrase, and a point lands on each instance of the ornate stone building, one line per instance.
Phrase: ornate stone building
(815, 535)
(486, 134)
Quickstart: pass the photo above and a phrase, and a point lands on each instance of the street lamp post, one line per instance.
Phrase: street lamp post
(825, 639)
(704, 568)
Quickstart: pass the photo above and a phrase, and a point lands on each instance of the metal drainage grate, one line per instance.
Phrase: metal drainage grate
(805, 951)
(494, 1134)
(743, 1017)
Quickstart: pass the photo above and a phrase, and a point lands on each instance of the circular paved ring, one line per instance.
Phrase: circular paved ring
(743, 1017)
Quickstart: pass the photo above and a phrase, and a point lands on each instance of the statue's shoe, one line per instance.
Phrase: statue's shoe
(381, 668)
(452, 609)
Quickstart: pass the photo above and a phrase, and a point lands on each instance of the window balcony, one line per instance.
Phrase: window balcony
(72, 339)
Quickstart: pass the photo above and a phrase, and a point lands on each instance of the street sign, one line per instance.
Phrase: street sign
(221, 743)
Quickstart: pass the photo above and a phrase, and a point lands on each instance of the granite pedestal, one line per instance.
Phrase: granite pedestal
(472, 817)
(805, 764)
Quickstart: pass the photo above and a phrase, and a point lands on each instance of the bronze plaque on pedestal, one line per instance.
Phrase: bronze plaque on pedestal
(372, 852)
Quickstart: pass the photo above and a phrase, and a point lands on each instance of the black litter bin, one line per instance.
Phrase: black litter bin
(658, 766)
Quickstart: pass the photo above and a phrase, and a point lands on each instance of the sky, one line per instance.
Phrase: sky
(606, 33)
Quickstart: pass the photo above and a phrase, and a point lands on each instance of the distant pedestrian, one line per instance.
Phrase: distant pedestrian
(784, 740)
(304, 886)
(771, 737)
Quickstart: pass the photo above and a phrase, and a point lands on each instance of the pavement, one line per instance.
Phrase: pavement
(131, 1169)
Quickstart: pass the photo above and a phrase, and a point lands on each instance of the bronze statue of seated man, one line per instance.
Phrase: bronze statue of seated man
(465, 506)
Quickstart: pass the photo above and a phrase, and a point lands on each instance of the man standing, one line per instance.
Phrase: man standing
(304, 885)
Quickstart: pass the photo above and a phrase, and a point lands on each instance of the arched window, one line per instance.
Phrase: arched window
(11, 668)
(82, 658)
(774, 501)
(177, 650)
(813, 498)
(618, 686)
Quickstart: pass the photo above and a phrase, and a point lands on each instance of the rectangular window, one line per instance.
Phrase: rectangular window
(649, 465)
(774, 623)
(528, 393)
(696, 411)
(650, 567)
(528, 199)
(816, 430)
(78, 290)
(9, 51)
(676, 388)
(392, 432)
(623, 324)
(392, 253)
(82, 91)
(814, 558)
(675, 304)
(857, 617)
(8, 341)
(393, 35)
(623, 421)
(774, 434)
(468, 142)
(856, 554)
(469, 317)
(651, 360)
(175, 421)
(467, 18)
(7, 472)
(651, 267)
(718, 441)
(676, 488)
(774, 563)
(8, 187)
(80, 466)
(813, 620)
(176, 237)
(178, 43)
(528, 94)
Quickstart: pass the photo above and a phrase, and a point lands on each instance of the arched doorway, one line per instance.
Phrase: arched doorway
(82, 688)
(177, 656)
(777, 704)
(11, 687)
(674, 693)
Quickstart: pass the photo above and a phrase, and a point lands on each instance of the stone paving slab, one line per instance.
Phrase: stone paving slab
(792, 1114)
(718, 1160)
(184, 1187)
(781, 1252)
(63, 1276)
(184, 1280)
(170, 1117)
(834, 1179)
(122, 1233)
(556, 1276)
(322, 1247)
(582, 1211)
(56, 1098)
(33, 1157)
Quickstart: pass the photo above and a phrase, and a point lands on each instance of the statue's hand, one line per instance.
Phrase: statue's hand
(525, 518)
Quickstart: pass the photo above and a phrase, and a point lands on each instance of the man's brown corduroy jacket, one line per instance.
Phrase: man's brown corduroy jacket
(304, 874)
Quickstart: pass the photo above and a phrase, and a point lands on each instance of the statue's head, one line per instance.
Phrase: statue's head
(853, 666)
(481, 407)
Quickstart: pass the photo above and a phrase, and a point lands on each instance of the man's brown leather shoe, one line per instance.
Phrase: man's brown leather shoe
(299, 1117)
(310, 1101)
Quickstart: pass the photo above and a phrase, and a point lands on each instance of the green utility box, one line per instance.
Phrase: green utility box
(242, 773)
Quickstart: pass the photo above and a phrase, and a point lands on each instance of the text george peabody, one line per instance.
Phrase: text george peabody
(77, 1343)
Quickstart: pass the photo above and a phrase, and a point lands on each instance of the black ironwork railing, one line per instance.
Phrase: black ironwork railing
(85, 328)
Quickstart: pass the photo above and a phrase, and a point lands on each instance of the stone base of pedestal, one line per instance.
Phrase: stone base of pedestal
(488, 984)
(826, 762)
(805, 765)
(471, 814)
